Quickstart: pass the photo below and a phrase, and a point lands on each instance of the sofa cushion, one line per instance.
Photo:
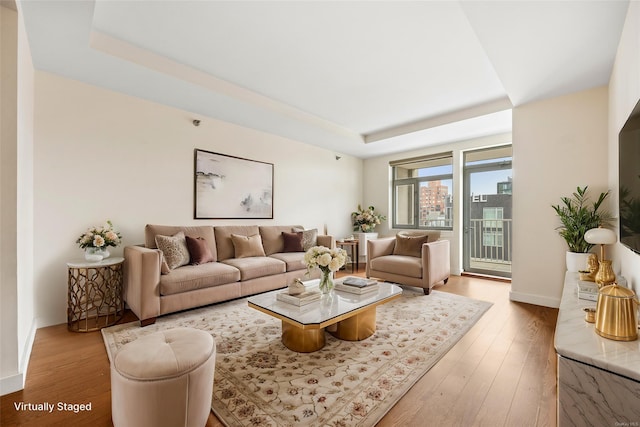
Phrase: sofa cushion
(247, 246)
(253, 267)
(174, 249)
(223, 233)
(292, 242)
(199, 251)
(204, 231)
(272, 240)
(293, 260)
(410, 245)
(398, 264)
(192, 277)
(309, 237)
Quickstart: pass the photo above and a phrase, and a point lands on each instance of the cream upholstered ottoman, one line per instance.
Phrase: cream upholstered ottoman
(164, 379)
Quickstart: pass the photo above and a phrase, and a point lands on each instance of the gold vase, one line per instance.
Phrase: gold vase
(605, 275)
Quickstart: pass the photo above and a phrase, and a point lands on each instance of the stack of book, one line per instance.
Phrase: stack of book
(587, 290)
(300, 299)
(357, 285)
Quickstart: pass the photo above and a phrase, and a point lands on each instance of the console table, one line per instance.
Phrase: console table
(598, 378)
(95, 294)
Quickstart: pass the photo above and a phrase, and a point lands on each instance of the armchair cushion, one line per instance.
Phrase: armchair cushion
(410, 245)
(398, 264)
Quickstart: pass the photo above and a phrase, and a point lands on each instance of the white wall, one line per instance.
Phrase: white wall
(102, 155)
(624, 93)
(558, 145)
(377, 187)
(16, 284)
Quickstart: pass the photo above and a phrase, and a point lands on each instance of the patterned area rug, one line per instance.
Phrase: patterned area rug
(259, 382)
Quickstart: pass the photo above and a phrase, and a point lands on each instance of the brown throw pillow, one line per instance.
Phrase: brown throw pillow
(247, 246)
(292, 242)
(199, 251)
(409, 245)
(174, 249)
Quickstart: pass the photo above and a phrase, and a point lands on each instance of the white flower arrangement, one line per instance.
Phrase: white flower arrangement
(99, 237)
(324, 258)
(365, 220)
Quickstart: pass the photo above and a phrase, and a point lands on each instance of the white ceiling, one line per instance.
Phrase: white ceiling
(363, 78)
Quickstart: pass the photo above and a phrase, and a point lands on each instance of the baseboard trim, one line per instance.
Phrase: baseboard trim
(534, 299)
(11, 384)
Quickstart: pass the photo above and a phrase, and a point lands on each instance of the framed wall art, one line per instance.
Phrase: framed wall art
(228, 187)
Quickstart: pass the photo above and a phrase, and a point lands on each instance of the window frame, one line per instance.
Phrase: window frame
(416, 183)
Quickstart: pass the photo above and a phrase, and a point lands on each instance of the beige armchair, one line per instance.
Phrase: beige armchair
(412, 258)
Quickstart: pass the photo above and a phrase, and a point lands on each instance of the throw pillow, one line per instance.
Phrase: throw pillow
(409, 245)
(247, 246)
(164, 267)
(199, 251)
(309, 238)
(293, 241)
(174, 249)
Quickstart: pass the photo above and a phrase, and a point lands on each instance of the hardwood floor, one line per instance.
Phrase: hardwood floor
(501, 373)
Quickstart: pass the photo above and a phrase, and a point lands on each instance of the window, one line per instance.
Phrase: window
(422, 192)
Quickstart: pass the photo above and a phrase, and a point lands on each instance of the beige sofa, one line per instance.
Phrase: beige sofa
(412, 258)
(150, 293)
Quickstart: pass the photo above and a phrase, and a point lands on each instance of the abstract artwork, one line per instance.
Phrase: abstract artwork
(228, 187)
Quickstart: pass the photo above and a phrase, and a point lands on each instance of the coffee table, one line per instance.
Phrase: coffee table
(346, 316)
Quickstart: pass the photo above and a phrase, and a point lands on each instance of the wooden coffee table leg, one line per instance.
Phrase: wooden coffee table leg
(302, 340)
(357, 327)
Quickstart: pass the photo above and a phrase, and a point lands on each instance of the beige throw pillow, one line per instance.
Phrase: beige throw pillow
(409, 245)
(174, 249)
(247, 246)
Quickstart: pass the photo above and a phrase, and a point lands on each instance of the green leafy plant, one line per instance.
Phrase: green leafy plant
(578, 215)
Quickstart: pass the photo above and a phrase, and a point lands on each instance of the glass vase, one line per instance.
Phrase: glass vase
(326, 282)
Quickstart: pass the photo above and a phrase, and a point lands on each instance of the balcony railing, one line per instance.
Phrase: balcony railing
(489, 244)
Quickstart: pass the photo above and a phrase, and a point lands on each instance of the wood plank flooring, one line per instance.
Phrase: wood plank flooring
(501, 373)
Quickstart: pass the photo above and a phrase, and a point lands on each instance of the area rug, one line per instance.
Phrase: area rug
(259, 382)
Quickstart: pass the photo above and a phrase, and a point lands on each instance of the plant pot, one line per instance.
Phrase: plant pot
(577, 261)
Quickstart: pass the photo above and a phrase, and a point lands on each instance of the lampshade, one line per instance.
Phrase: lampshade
(600, 236)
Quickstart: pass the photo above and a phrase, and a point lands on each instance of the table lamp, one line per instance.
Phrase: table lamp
(602, 236)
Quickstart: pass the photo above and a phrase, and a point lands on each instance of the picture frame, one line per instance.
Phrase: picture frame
(229, 187)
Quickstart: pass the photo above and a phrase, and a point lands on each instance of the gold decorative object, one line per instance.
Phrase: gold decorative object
(590, 315)
(616, 317)
(605, 275)
(592, 268)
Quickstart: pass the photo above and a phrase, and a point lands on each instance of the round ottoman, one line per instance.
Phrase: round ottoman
(164, 379)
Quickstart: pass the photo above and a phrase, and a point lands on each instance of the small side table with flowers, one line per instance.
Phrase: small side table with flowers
(95, 283)
(95, 296)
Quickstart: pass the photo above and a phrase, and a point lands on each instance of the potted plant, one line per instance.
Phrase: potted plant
(578, 215)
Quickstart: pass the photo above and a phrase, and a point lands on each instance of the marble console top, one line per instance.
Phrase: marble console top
(578, 340)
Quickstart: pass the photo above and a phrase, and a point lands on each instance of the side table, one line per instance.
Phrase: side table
(95, 294)
(354, 249)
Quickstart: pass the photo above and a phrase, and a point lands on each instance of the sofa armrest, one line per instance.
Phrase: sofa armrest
(436, 262)
(380, 247)
(327, 241)
(142, 282)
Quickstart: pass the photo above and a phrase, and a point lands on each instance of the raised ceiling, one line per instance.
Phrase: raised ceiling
(363, 78)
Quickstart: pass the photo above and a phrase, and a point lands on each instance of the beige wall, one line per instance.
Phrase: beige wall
(17, 325)
(102, 155)
(558, 145)
(624, 93)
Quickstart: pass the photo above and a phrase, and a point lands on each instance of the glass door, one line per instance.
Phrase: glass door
(487, 212)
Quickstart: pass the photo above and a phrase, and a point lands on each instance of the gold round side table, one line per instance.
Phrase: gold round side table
(95, 294)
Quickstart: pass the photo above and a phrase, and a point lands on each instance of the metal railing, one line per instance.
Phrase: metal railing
(489, 244)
